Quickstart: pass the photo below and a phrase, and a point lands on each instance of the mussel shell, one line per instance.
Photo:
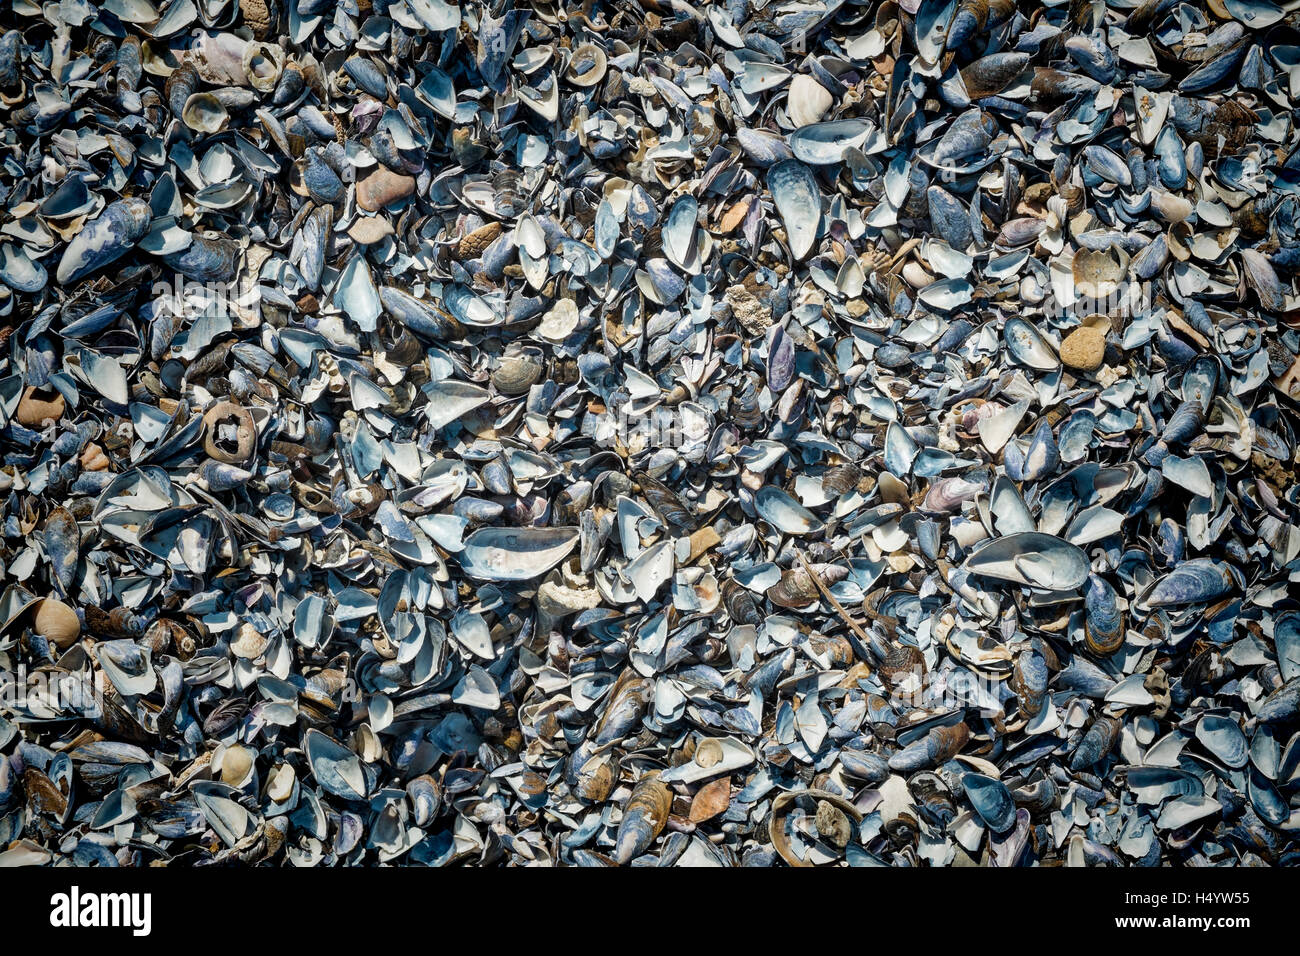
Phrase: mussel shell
(990, 799)
(644, 818)
(1103, 620)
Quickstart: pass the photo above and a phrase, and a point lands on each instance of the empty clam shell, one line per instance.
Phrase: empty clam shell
(1033, 559)
(797, 199)
(515, 554)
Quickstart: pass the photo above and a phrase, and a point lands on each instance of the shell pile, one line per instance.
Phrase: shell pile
(808, 432)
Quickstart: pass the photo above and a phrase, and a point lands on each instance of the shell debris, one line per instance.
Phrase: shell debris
(791, 433)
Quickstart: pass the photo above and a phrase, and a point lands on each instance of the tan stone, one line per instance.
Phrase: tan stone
(35, 408)
(702, 541)
(383, 187)
(734, 216)
(1084, 348)
(257, 16)
(370, 229)
(751, 312)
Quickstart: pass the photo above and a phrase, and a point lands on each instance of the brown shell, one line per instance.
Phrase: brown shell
(471, 246)
(947, 742)
(795, 589)
(257, 15)
(43, 795)
(712, 799)
(402, 348)
(652, 796)
(223, 413)
(57, 623)
(1097, 642)
(841, 479)
(837, 649)
(900, 662)
(989, 75)
(780, 809)
(595, 779)
(516, 374)
(644, 817)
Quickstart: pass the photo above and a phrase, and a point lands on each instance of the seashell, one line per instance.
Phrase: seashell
(56, 622)
(594, 779)
(62, 546)
(969, 135)
(515, 554)
(230, 433)
(1286, 640)
(713, 756)
(991, 800)
(1096, 744)
(472, 245)
(1029, 679)
(1281, 705)
(127, 666)
(709, 801)
(836, 815)
(806, 101)
(1033, 559)
(794, 190)
(864, 765)
(784, 513)
(1197, 581)
(933, 21)
(19, 272)
(336, 769)
(1223, 738)
(205, 113)
(420, 317)
(1098, 272)
(765, 149)
(992, 74)
(438, 441)
(517, 373)
(950, 218)
(1104, 621)
(208, 258)
(1027, 347)
(1038, 460)
(103, 240)
(822, 144)
(644, 818)
(937, 747)
(587, 66)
